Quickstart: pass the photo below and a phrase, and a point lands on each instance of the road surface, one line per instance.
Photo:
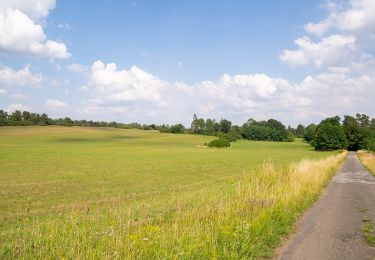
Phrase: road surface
(332, 228)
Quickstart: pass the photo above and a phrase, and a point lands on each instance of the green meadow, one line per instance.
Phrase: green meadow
(77, 192)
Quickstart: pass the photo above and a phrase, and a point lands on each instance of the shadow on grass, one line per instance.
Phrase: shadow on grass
(92, 140)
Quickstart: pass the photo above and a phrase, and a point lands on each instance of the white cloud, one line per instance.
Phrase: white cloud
(13, 107)
(2, 91)
(357, 17)
(23, 77)
(124, 85)
(77, 68)
(236, 97)
(334, 49)
(55, 104)
(36, 9)
(21, 30)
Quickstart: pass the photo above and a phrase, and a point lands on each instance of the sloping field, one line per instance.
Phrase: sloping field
(90, 192)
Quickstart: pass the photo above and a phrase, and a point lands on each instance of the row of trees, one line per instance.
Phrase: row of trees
(24, 118)
(270, 130)
(352, 133)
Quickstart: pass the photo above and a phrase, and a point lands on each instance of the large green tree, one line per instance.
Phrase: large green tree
(309, 133)
(330, 135)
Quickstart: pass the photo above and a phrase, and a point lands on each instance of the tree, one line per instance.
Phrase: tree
(3, 115)
(209, 126)
(16, 116)
(44, 119)
(300, 131)
(194, 126)
(26, 115)
(177, 129)
(225, 125)
(330, 135)
(310, 133)
(200, 125)
(363, 120)
(354, 133)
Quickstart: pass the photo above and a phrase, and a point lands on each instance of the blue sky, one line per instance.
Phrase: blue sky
(296, 61)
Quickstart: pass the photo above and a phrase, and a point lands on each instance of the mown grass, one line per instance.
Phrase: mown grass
(106, 193)
(368, 160)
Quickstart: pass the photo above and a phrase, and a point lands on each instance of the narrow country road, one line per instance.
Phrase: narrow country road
(332, 228)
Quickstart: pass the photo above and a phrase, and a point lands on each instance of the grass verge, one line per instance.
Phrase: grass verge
(242, 220)
(368, 160)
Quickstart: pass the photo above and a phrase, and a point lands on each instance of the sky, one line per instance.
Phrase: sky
(163, 61)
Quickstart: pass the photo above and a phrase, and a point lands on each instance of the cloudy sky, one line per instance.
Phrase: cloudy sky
(163, 61)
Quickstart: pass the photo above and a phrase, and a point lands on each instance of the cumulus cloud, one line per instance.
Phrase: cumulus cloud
(21, 30)
(344, 38)
(335, 49)
(358, 16)
(2, 91)
(55, 104)
(23, 77)
(124, 85)
(237, 97)
(13, 107)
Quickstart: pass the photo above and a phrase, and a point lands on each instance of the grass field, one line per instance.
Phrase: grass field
(368, 159)
(105, 193)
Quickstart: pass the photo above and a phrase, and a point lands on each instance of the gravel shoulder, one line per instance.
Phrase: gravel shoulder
(332, 228)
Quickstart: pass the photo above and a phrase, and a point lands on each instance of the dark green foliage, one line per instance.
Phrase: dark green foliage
(309, 133)
(16, 116)
(291, 136)
(219, 143)
(177, 129)
(225, 125)
(300, 131)
(370, 144)
(355, 134)
(331, 120)
(271, 130)
(330, 136)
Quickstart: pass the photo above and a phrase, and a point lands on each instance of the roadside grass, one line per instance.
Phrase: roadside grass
(368, 160)
(139, 194)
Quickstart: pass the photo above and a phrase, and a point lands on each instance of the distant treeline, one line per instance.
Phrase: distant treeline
(332, 133)
(352, 133)
(24, 118)
(270, 130)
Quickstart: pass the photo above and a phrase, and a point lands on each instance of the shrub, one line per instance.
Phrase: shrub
(219, 143)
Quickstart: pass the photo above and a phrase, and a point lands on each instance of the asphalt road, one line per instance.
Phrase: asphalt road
(332, 228)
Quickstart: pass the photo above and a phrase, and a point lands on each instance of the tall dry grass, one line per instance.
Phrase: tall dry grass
(368, 160)
(243, 220)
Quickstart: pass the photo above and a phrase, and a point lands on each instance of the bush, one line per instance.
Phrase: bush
(219, 143)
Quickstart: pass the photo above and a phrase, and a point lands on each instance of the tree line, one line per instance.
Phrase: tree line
(352, 133)
(24, 118)
(270, 130)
